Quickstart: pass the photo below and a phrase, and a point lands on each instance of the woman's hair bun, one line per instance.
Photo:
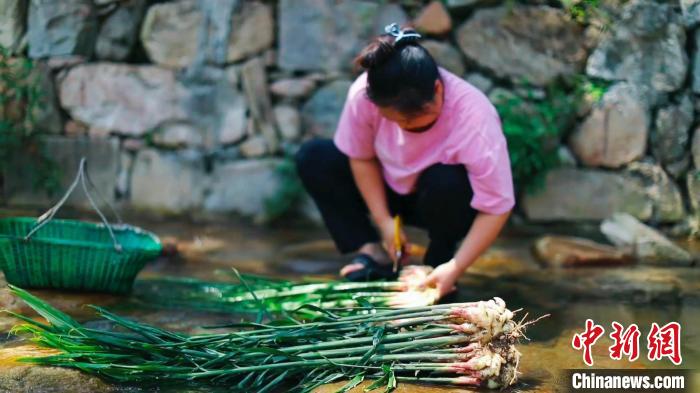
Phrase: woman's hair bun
(382, 48)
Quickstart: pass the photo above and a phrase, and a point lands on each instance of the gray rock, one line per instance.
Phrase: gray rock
(171, 31)
(480, 81)
(119, 31)
(178, 135)
(243, 187)
(665, 195)
(566, 157)
(309, 32)
(695, 148)
(12, 23)
(696, 66)
(288, 122)
(253, 31)
(616, 130)
(445, 55)
(670, 137)
(254, 147)
(167, 182)
(693, 183)
(389, 13)
(321, 112)
(126, 164)
(536, 43)
(58, 28)
(648, 31)
(646, 243)
(466, 4)
(233, 121)
(679, 168)
(127, 99)
(292, 87)
(691, 12)
(103, 163)
(586, 194)
(259, 103)
(48, 114)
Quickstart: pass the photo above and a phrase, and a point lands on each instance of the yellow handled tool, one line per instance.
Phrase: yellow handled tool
(398, 247)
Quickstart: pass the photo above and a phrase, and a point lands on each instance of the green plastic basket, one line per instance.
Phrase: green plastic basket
(71, 254)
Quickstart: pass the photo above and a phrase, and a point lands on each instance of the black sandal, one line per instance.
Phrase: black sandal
(371, 270)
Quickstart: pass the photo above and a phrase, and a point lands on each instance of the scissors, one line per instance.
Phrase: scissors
(398, 247)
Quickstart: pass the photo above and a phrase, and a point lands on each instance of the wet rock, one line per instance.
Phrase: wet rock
(696, 66)
(433, 19)
(57, 28)
(254, 147)
(695, 148)
(616, 130)
(292, 87)
(243, 187)
(321, 112)
(679, 168)
(288, 121)
(259, 103)
(124, 98)
(309, 32)
(170, 31)
(23, 378)
(536, 43)
(167, 182)
(646, 243)
(103, 161)
(480, 81)
(47, 116)
(663, 192)
(670, 137)
(177, 135)
(691, 12)
(445, 55)
(12, 23)
(575, 251)
(119, 31)
(586, 194)
(646, 30)
(126, 164)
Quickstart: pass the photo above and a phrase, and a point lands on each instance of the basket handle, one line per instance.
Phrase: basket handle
(82, 178)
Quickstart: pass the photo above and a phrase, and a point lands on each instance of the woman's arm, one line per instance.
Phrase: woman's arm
(482, 234)
(369, 180)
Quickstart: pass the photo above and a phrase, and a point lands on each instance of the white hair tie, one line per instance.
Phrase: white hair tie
(394, 30)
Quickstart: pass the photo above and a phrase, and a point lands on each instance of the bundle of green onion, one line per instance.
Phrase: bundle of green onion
(461, 344)
(251, 293)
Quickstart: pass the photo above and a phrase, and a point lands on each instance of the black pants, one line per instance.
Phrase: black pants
(440, 203)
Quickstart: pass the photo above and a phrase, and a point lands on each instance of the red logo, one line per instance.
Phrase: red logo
(586, 340)
(662, 342)
(665, 342)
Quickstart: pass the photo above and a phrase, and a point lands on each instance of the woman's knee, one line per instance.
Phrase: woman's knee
(315, 159)
(442, 183)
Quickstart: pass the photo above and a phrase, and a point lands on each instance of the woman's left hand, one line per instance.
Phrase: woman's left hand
(443, 278)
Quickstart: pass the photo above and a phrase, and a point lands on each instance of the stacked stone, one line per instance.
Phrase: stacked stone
(193, 103)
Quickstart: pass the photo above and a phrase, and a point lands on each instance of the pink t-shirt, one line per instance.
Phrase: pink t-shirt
(467, 132)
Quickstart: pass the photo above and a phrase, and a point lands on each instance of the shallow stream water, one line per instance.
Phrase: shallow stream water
(636, 294)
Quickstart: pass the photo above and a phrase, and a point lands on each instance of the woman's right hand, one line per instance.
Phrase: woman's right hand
(387, 229)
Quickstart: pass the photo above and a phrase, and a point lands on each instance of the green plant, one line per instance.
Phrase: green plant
(464, 343)
(289, 193)
(20, 143)
(279, 296)
(534, 126)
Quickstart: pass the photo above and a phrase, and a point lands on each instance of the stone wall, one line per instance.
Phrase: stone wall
(190, 105)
